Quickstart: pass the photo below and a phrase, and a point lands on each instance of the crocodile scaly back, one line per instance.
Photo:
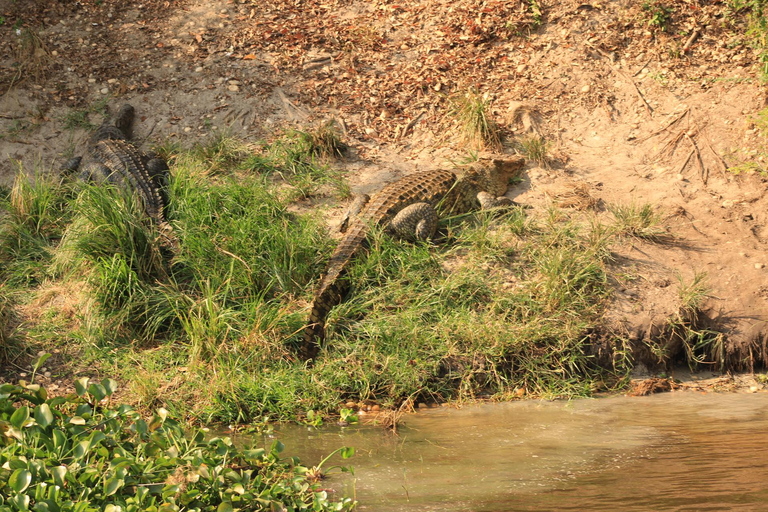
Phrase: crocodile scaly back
(423, 190)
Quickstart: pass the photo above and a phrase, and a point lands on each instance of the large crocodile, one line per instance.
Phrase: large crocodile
(407, 208)
(110, 157)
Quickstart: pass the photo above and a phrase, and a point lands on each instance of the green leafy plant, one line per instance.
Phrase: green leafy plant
(82, 453)
(658, 15)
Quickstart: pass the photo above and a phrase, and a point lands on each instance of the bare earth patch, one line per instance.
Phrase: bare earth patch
(632, 115)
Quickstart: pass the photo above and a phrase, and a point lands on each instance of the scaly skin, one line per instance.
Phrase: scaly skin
(111, 158)
(407, 208)
(119, 162)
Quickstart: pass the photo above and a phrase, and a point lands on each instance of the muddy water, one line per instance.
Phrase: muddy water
(678, 451)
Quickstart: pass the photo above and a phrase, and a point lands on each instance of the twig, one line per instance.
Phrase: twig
(642, 67)
(669, 125)
(702, 167)
(238, 258)
(697, 31)
(687, 159)
(412, 123)
(647, 105)
(671, 144)
(717, 156)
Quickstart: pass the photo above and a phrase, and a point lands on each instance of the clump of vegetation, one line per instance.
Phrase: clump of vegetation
(535, 148)
(701, 345)
(35, 216)
(209, 330)
(79, 118)
(756, 27)
(298, 157)
(323, 141)
(85, 453)
(31, 55)
(472, 111)
(639, 221)
(658, 14)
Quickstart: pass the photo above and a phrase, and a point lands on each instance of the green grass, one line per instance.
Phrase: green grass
(639, 221)
(472, 112)
(500, 301)
(535, 148)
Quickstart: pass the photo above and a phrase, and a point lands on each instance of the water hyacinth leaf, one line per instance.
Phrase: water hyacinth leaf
(112, 485)
(97, 391)
(40, 361)
(59, 439)
(41, 506)
(81, 449)
(20, 416)
(277, 447)
(81, 386)
(20, 480)
(43, 415)
(20, 501)
(225, 507)
(18, 463)
(59, 474)
(110, 386)
(158, 419)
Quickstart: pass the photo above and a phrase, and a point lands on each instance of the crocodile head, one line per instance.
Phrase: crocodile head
(493, 173)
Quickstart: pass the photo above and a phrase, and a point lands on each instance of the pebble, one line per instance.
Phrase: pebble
(521, 68)
(233, 88)
(759, 265)
(585, 88)
(104, 90)
(91, 80)
(198, 69)
(753, 389)
(54, 53)
(187, 129)
(350, 405)
(112, 80)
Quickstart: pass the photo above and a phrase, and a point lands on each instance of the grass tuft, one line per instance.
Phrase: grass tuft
(535, 148)
(472, 111)
(641, 222)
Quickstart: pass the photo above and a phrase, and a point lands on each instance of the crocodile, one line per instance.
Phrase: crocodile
(407, 209)
(111, 157)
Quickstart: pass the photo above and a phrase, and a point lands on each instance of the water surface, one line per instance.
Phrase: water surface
(680, 451)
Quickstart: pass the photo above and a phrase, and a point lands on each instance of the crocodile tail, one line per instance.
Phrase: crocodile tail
(314, 333)
(124, 119)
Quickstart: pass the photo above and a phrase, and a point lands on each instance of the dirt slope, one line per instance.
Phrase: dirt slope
(633, 113)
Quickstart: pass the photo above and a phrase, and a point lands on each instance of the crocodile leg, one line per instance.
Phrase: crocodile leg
(94, 172)
(354, 210)
(487, 201)
(417, 221)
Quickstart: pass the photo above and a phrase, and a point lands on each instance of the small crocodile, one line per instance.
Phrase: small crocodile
(110, 157)
(407, 208)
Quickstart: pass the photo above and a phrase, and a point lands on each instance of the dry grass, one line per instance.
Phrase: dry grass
(476, 124)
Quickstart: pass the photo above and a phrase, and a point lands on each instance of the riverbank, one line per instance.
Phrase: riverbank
(640, 241)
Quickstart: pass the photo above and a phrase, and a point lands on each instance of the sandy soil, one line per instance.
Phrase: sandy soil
(630, 116)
